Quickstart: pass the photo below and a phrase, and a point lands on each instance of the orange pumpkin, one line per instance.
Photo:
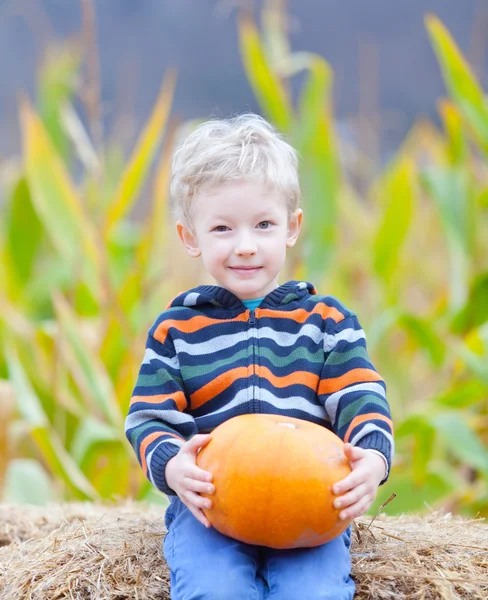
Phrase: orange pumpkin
(273, 478)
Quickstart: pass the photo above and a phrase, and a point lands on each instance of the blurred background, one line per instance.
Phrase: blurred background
(384, 67)
(385, 103)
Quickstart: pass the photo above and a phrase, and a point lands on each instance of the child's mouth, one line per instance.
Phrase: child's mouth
(245, 270)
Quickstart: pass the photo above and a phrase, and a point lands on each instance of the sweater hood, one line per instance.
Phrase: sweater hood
(220, 297)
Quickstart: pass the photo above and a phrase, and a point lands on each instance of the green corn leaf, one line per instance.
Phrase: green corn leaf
(418, 429)
(423, 450)
(482, 198)
(109, 470)
(89, 433)
(439, 483)
(52, 274)
(28, 403)
(24, 234)
(451, 190)
(475, 311)
(7, 416)
(319, 182)
(424, 336)
(154, 241)
(56, 202)
(462, 440)
(395, 224)
(381, 324)
(462, 395)
(457, 147)
(482, 333)
(26, 482)
(459, 79)
(85, 366)
(103, 458)
(135, 174)
(59, 461)
(266, 86)
(57, 84)
(116, 341)
(478, 365)
(314, 139)
(123, 246)
(313, 103)
(149, 494)
(409, 426)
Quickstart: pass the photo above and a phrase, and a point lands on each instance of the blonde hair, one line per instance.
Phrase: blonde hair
(245, 147)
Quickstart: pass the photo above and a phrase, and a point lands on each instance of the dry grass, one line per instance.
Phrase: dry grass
(91, 552)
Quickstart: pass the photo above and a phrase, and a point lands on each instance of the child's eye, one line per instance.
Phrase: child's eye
(264, 225)
(220, 228)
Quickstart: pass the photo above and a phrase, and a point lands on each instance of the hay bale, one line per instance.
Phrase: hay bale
(95, 552)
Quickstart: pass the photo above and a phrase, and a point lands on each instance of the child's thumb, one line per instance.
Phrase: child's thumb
(352, 452)
(197, 441)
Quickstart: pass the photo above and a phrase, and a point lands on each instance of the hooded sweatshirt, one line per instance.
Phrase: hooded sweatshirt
(209, 358)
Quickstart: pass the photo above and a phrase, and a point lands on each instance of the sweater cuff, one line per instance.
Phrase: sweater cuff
(381, 444)
(160, 458)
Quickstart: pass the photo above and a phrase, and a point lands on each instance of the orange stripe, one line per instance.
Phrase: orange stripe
(300, 377)
(217, 385)
(362, 418)
(300, 315)
(145, 443)
(190, 325)
(334, 384)
(179, 399)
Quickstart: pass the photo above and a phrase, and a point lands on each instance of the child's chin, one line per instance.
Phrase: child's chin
(246, 292)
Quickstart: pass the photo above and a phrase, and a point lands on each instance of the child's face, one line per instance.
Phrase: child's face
(241, 231)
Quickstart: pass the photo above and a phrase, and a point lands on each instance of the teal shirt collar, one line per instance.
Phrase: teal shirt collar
(253, 303)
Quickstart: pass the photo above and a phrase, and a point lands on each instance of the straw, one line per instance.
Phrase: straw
(113, 552)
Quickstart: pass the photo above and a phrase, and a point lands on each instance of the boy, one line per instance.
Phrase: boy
(248, 344)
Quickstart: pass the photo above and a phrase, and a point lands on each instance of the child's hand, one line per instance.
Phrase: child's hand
(361, 485)
(188, 480)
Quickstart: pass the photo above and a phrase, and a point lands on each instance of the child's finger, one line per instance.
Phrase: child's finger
(351, 497)
(202, 487)
(199, 515)
(348, 483)
(353, 453)
(357, 509)
(194, 444)
(196, 504)
(200, 474)
(196, 500)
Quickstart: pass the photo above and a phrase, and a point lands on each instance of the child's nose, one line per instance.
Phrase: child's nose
(245, 246)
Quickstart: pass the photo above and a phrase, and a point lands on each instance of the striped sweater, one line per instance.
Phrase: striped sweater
(208, 358)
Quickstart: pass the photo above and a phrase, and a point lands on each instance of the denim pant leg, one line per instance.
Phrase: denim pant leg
(204, 564)
(321, 573)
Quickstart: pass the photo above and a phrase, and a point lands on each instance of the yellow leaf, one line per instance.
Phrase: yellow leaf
(140, 161)
(56, 201)
(265, 83)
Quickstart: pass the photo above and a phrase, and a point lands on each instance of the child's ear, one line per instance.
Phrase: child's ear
(294, 226)
(188, 239)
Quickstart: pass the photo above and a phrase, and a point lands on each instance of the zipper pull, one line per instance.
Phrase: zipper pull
(252, 320)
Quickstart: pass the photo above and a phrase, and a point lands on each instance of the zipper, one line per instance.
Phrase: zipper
(253, 403)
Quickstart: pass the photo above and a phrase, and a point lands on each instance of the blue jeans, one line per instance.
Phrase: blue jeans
(206, 565)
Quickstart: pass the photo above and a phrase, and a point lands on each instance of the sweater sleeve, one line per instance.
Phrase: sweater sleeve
(156, 425)
(353, 393)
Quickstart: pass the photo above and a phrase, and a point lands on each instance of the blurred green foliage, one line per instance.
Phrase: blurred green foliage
(82, 279)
